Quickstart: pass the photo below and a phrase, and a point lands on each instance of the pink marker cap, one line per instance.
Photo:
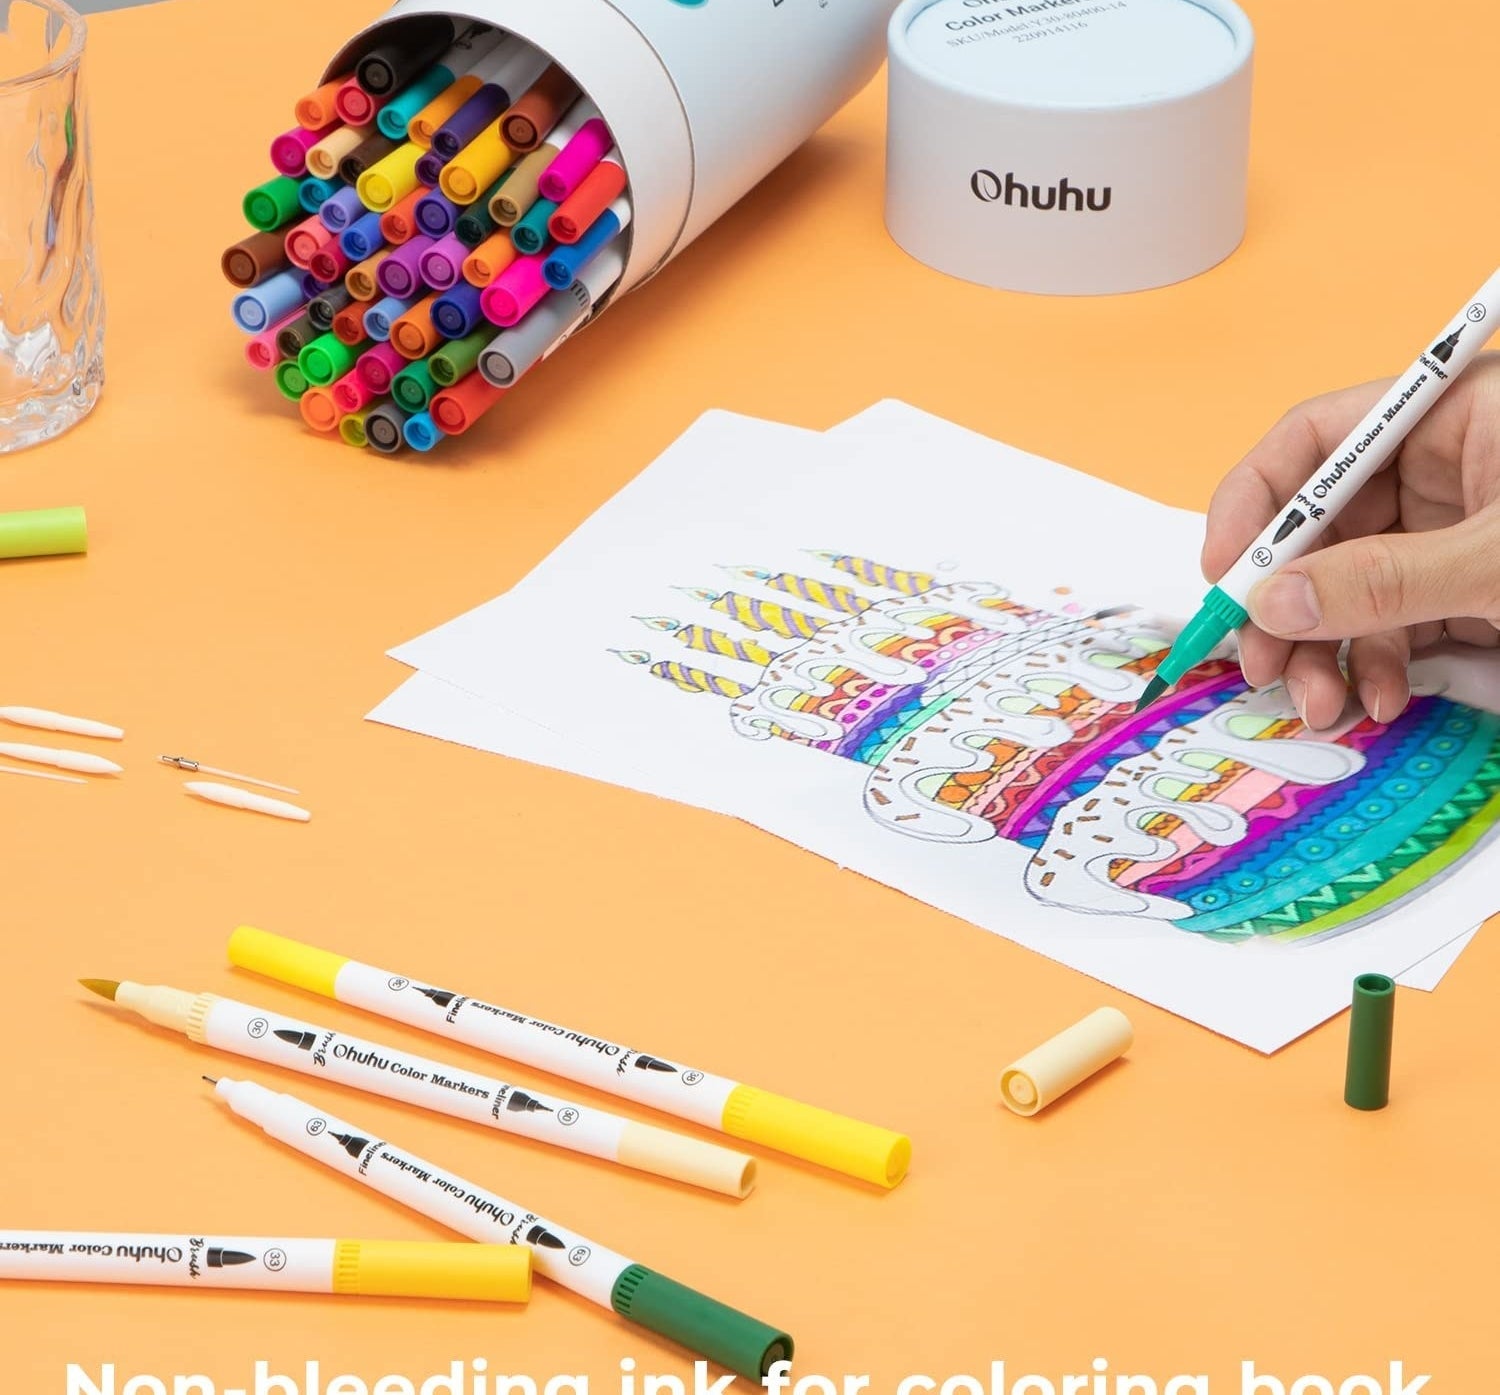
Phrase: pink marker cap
(289, 149)
(378, 366)
(261, 350)
(575, 160)
(355, 105)
(508, 299)
(352, 392)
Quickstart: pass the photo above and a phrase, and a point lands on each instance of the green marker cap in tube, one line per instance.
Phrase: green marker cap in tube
(290, 380)
(1367, 1079)
(458, 357)
(413, 387)
(269, 205)
(44, 533)
(327, 358)
(731, 1339)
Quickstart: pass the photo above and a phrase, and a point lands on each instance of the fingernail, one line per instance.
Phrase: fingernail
(1296, 689)
(1369, 696)
(1286, 604)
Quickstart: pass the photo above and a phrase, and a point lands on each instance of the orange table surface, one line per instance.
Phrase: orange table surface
(1197, 1207)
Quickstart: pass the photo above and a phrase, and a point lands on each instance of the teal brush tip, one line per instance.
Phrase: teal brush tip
(1154, 689)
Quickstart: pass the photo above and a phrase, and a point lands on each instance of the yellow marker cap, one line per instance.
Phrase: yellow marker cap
(285, 960)
(389, 180)
(818, 1136)
(476, 167)
(428, 1269)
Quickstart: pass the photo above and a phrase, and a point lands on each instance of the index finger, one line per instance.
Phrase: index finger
(1257, 489)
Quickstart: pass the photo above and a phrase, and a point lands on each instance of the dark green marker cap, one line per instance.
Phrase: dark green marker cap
(475, 223)
(729, 1338)
(457, 358)
(413, 387)
(1367, 1079)
(269, 205)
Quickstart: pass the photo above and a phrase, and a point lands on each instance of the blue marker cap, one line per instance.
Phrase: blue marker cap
(395, 116)
(422, 433)
(313, 193)
(272, 300)
(362, 238)
(562, 267)
(341, 209)
(379, 317)
(456, 312)
(436, 214)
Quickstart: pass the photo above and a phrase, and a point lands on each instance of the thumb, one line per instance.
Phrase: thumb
(1385, 582)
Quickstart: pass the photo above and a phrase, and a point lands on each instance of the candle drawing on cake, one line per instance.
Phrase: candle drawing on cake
(980, 719)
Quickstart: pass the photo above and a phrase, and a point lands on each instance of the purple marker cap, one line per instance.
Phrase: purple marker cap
(289, 150)
(485, 106)
(443, 263)
(575, 160)
(311, 286)
(436, 214)
(399, 274)
(338, 210)
(430, 168)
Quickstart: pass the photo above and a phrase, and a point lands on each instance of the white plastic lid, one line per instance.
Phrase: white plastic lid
(1074, 53)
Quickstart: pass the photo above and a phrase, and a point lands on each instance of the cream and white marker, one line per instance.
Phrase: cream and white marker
(369, 1268)
(1047, 1073)
(60, 721)
(262, 1035)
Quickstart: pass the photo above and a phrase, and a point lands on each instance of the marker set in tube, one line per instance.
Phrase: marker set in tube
(453, 202)
(442, 219)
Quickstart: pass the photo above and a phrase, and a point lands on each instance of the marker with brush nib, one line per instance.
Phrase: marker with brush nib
(1295, 531)
(757, 1116)
(733, 1339)
(367, 1268)
(268, 1036)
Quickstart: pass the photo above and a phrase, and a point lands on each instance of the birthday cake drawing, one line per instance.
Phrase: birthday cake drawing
(979, 719)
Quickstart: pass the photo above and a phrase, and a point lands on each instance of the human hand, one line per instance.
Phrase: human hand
(1414, 557)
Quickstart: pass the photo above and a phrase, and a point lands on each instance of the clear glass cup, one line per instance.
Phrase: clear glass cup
(51, 307)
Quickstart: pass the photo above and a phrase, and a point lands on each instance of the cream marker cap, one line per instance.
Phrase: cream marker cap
(1029, 1085)
(422, 1269)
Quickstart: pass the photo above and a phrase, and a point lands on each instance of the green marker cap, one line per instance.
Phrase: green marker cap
(290, 381)
(327, 358)
(1218, 617)
(269, 205)
(44, 533)
(1367, 1078)
(458, 357)
(413, 387)
(729, 1338)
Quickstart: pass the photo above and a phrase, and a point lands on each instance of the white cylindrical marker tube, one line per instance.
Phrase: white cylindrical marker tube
(279, 1040)
(1046, 1074)
(60, 721)
(81, 761)
(734, 1340)
(369, 1268)
(232, 798)
(757, 1116)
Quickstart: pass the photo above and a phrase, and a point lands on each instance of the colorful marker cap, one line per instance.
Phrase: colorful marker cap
(289, 961)
(816, 1135)
(1367, 1076)
(732, 1339)
(417, 1269)
(44, 533)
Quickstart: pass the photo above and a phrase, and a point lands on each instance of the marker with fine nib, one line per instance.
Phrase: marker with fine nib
(368, 1268)
(1332, 487)
(733, 1339)
(309, 1049)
